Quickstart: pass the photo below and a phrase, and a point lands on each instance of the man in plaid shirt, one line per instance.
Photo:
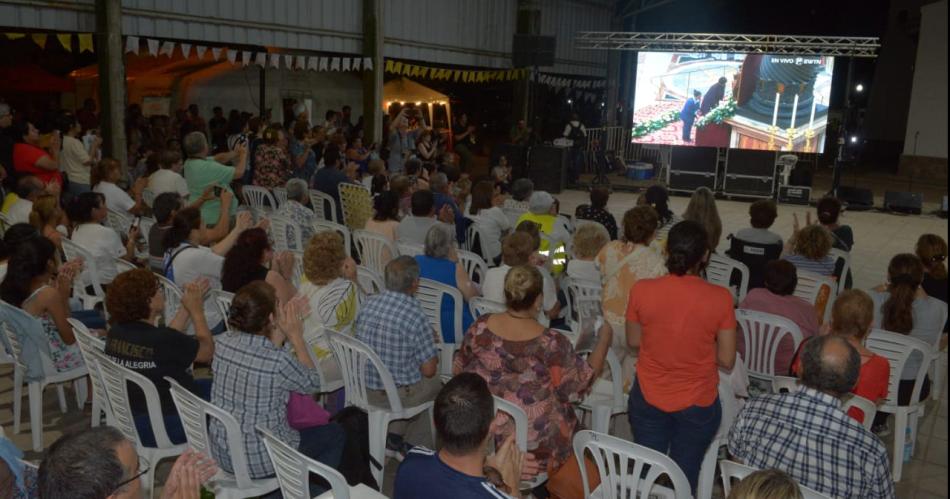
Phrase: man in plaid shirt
(807, 435)
(394, 325)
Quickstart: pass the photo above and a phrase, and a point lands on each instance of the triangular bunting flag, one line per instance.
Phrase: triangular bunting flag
(397, 67)
(85, 42)
(132, 45)
(232, 56)
(168, 48)
(66, 40)
(152, 46)
(389, 66)
(324, 62)
(261, 59)
(346, 62)
(39, 39)
(406, 69)
(275, 61)
(15, 36)
(289, 61)
(313, 63)
(357, 63)
(186, 50)
(200, 51)
(216, 53)
(456, 74)
(424, 73)
(335, 64)
(300, 62)
(245, 57)
(414, 71)
(367, 64)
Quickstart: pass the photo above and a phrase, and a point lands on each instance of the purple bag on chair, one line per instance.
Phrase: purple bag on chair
(304, 412)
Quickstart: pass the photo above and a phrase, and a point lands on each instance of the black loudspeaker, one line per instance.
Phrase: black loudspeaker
(547, 167)
(793, 194)
(943, 208)
(532, 50)
(856, 198)
(694, 159)
(751, 163)
(904, 202)
(517, 157)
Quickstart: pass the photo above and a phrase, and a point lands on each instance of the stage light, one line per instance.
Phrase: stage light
(859, 88)
(854, 139)
(602, 104)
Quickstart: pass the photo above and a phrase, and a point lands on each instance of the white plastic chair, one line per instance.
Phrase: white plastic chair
(937, 365)
(87, 343)
(430, 295)
(123, 265)
(574, 291)
(784, 383)
(325, 385)
(321, 202)
(259, 199)
(620, 464)
(15, 338)
(279, 226)
(88, 278)
(480, 306)
(809, 289)
(325, 225)
(720, 270)
(474, 265)
(120, 222)
(606, 398)
(173, 296)
(897, 348)
(370, 281)
(730, 408)
(762, 333)
(842, 256)
(355, 358)
(868, 408)
(293, 473)
(733, 470)
(520, 420)
(410, 249)
(297, 276)
(474, 233)
(374, 250)
(280, 195)
(195, 413)
(222, 300)
(116, 379)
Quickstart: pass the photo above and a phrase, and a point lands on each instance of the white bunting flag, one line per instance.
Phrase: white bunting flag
(261, 59)
(275, 61)
(357, 62)
(216, 53)
(300, 62)
(168, 48)
(186, 50)
(367, 64)
(200, 51)
(313, 63)
(335, 64)
(152, 47)
(324, 61)
(132, 44)
(232, 56)
(346, 63)
(246, 58)
(289, 61)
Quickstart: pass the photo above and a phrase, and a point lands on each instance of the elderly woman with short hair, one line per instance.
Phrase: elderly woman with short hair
(810, 250)
(440, 263)
(332, 290)
(296, 210)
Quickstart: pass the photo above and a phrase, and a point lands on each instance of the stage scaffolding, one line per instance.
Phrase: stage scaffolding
(846, 46)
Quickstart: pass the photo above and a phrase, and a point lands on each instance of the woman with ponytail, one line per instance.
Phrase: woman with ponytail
(902, 306)
(683, 341)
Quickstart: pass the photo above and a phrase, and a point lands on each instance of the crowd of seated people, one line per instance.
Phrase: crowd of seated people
(673, 331)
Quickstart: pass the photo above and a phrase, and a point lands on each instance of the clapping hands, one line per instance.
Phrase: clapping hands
(190, 470)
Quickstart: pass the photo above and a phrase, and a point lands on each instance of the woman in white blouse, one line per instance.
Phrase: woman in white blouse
(104, 177)
(494, 224)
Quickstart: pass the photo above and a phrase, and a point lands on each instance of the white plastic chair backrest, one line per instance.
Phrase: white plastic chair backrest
(278, 231)
(374, 250)
(90, 273)
(474, 265)
(732, 470)
(355, 357)
(719, 272)
(194, 413)
(120, 222)
(762, 333)
(370, 281)
(33, 336)
(145, 226)
(577, 289)
(867, 408)
(357, 204)
(258, 198)
(481, 306)
(123, 265)
(5, 222)
(809, 288)
(474, 233)
(897, 348)
(172, 297)
(842, 256)
(786, 383)
(116, 379)
(319, 202)
(280, 195)
(518, 416)
(148, 197)
(325, 225)
(87, 344)
(222, 300)
(297, 277)
(620, 464)
(293, 470)
(430, 294)
(410, 249)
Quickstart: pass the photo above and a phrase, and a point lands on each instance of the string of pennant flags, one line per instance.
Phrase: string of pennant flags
(458, 75)
(65, 40)
(561, 82)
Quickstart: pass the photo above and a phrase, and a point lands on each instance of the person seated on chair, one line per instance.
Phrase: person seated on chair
(395, 326)
(597, 210)
(766, 484)
(463, 413)
(658, 198)
(87, 211)
(28, 189)
(777, 297)
(521, 359)
(543, 211)
(202, 172)
(49, 219)
(296, 210)
(135, 302)
(328, 179)
(168, 177)
(809, 249)
(521, 191)
(762, 215)
(518, 248)
(100, 463)
(253, 356)
(105, 174)
(440, 263)
(38, 285)
(702, 210)
(253, 259)
(589, 239)
(385, 219)
(851, 319)
(492, 221)
(805, 433)
(755, 246)
(829, 210)
(442, 185)
(932, 251)
(164, 208)
(413, 228)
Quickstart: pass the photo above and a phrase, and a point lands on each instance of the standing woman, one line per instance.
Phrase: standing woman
(494, 224)
(271, 163)
(674, 404)
(304, 159)
(425, 148)
(75, 159)
(358, 154)
(702, 210)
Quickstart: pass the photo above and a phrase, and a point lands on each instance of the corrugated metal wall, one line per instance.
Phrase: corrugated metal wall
(463, 32)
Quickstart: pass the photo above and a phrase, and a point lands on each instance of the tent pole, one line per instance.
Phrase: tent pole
(112, 93)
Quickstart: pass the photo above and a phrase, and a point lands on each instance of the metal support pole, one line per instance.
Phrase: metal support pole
(112, 80)
(373, 80)
(528, 22)
(262, 88)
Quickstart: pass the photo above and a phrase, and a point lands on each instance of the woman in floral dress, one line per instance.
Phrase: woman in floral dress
(537, 369)
(271, 161)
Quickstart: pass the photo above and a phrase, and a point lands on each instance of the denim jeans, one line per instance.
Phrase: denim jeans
(324, 444)
(684, 435)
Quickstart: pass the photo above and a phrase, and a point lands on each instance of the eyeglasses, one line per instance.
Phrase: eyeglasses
(143, 469)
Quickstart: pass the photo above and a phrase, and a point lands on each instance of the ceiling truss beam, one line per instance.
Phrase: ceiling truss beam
(718, 42)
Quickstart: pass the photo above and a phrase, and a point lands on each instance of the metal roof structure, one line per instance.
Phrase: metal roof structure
(718, 42)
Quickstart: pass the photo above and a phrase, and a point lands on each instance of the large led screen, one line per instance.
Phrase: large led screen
(744, 101)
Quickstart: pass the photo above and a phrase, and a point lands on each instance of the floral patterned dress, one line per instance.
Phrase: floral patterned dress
(271, 166)
(543, 376)
(64, 357)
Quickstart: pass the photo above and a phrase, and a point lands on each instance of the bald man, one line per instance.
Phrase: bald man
(808, 435)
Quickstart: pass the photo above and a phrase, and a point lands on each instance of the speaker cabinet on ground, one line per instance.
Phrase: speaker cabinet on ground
(749, 173)
(856, 198)
(692, 168)
(547, 167)
(904, 202)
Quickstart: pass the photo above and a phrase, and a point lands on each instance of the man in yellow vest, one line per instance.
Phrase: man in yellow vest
(542, 210)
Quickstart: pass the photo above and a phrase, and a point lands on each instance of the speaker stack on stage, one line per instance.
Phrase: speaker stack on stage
(749, 173)
(547, 167)
(904, 202)
(692, 168)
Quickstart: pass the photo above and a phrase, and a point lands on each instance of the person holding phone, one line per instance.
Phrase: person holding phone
(202, 171)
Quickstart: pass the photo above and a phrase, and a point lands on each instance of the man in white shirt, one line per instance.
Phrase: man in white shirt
(413, 228)
(168, 178)
(28, 188)
(516, 249)
(75, 160)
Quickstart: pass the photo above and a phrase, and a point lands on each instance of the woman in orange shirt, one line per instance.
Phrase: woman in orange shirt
(674, 404)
